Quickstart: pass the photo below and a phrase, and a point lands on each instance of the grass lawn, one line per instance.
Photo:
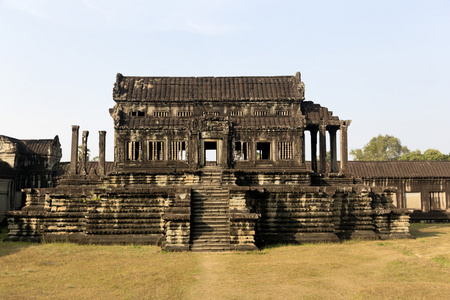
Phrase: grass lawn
(396, 269)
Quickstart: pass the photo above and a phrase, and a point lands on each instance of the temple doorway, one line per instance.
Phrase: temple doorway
(210, 153)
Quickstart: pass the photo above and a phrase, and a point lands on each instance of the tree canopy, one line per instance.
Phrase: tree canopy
(430, 154)
(387, 147)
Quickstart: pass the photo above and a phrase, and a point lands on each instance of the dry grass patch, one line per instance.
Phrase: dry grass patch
(395, 269)
(85, 272)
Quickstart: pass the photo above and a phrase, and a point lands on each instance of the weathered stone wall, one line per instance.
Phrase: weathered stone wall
(353, 214)
(269, 208)
(99, 215)
(243, 219)
(297, 215)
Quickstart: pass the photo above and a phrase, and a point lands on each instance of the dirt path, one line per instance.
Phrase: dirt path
(210, 279)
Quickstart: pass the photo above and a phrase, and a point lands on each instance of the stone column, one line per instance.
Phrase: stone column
(323, 148)
(302, 148)
(101, 152)
(74, 150)
(225, 151)
(333, 150)
(344, 151)
(313, 132)
(84, 152)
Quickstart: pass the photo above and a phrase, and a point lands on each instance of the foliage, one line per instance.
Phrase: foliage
(381, 148)
(430, 154)
(80, 151)
(388, 147)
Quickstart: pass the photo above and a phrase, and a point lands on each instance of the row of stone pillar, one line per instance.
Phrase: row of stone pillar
(322, 129)
(73, 169)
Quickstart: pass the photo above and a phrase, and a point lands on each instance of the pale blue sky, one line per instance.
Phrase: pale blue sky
(383, 64)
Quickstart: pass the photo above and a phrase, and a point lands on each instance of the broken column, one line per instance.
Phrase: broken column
(84, 152)
(74, 152)
(101, 152)
(344, 151)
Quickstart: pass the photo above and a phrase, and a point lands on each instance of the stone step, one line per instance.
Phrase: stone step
(207, 197)
(222, 235)
(211, 216)
(211, 231)
(216, 236)
(210, 248)
(211, 203)
(210, 223)
(209, 207)
(197, 226)
(210, 241)
(210, 200)
(202, 226)
(209, 194)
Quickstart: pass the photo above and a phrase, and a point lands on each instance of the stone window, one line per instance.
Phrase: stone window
(133, 150)
(137, 113)
(284, 150)
(413, 200)
(236, 113)
(241, 150)
(155, 150)
(211, 113)
(160, 113)
(177, 150)
(260, 113)
(283, 113)
(263, 150)
(184, 114)
(437, 201)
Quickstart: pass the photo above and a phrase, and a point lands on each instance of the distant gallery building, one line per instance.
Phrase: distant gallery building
(215, 163)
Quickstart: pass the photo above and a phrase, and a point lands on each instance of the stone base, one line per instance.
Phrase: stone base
(358, 235)
(394, 236)
(175, 248)
(243, 247)
(324, 237)
(118, 239)
(301, 238)
(28, 239)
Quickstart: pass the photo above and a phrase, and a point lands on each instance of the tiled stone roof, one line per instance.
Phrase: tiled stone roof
(268, 122)
(400, 169)
(131, 88)
(41, 147)
(396, 169)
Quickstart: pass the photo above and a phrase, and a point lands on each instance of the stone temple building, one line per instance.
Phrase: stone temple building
(212, 163)
(25, 164)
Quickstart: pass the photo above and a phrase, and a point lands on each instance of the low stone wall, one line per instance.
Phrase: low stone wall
(104, 216)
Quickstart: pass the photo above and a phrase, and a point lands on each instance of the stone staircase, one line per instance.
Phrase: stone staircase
(210, 216)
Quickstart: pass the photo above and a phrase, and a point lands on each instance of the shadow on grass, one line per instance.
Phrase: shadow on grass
(7, 248)
(419, 230)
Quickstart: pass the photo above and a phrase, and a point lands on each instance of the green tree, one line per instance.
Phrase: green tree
(414, 155)
(381, 148)
(429, 154)
(80, 150)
